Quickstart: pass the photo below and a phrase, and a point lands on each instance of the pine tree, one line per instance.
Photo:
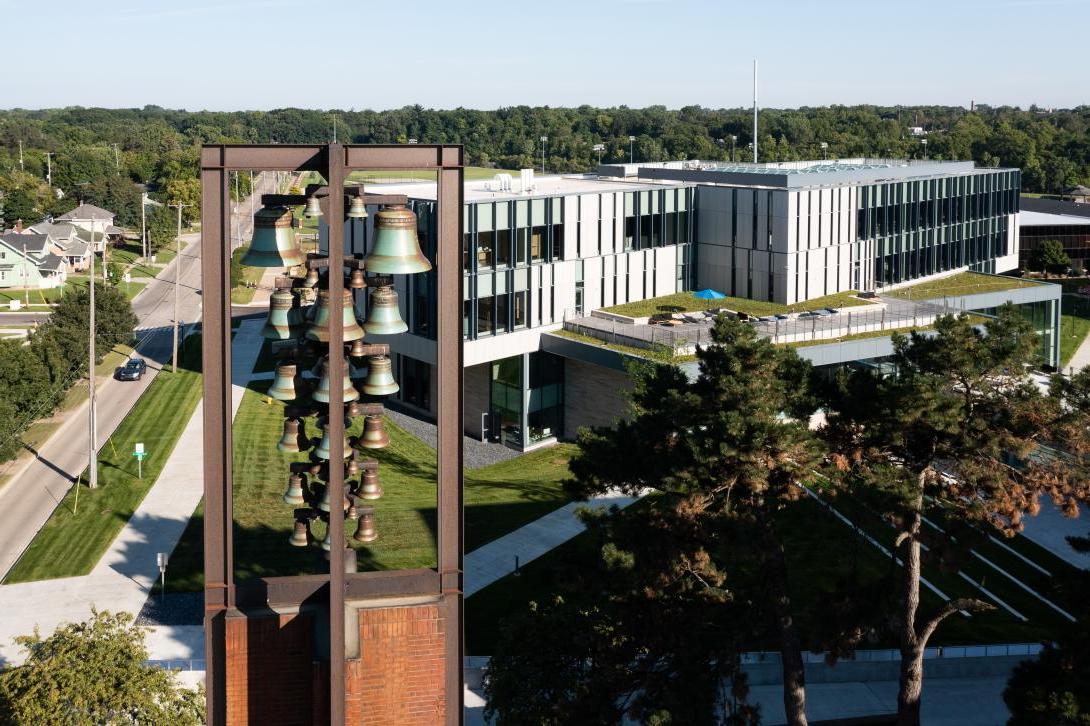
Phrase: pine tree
(959, 423)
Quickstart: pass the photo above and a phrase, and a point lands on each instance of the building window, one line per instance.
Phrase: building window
(415, 383)
(503, 312)
(505, 396)
(537, 244)
(519, 309)
(545, 415)
(486, 316)
(503, 248)
(485, 249)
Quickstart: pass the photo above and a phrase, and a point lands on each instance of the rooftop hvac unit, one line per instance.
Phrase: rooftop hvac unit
(526, 176)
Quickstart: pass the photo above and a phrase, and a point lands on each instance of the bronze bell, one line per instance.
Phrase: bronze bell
(352, 468)
(283, 387)
(380, 377)
(319, 327)
(321, 393)
(322, 452)
(351, 411)
(357, 209)
(356, 280)
(352, 512)
(365, 527)
(370, 487)
(396, 249)
(356, 349)
(374, 434)
(327, 543)
(294, 494)
(273, 243)
(279, 324)
(289, 442)
(301, 536)
(312, 277)
(384, 316)
(313, 208)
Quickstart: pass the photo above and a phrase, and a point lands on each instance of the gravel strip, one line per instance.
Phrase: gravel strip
(176, 608)
(476, 454)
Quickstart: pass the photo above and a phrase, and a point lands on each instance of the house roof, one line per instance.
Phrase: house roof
(110, 229)
(88, 211)
(1078, 191)
(1054, 206)
(52, 263)
(32, 243)
(59, 232)
(74, 248)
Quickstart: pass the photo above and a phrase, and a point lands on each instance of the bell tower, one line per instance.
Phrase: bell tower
(342, 642)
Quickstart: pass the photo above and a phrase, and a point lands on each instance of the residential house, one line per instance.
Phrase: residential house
(27, 260)
(95, 220)
(68, 241)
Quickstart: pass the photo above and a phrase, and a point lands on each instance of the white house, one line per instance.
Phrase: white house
(68, 241)
(94, 219)
(26, 260)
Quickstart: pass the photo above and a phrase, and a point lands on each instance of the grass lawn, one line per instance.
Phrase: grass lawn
(244, 292)
(685, 302)
(1074, 324)
(498, 499)
(73, 540)
(810, 533)
(963, 283)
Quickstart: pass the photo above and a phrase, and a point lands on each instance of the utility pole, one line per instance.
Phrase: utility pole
(117, 160)
(26, 285)
(92, 465)
(21, 155)
(144, 224)
(49, 168)
(334, 128)
(177, 284)
(253, 193)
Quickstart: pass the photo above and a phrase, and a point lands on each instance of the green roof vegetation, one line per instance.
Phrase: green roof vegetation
(963, 283)
(684, 302)
(659, 353)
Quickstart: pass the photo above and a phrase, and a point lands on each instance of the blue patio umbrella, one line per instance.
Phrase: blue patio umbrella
(708, 294)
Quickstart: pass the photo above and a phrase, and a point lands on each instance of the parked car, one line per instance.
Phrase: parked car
(809, 314)
(832, 311)
(781, 316)
(767, 319)
(131, 371)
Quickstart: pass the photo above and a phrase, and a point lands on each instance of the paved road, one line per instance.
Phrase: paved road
(28, 499)
(22, 319)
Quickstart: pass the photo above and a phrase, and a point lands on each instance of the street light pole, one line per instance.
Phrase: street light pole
(543, 140)
(824, 150)
(631, 149)
(92, 443)
(49, 169)
(177, 284)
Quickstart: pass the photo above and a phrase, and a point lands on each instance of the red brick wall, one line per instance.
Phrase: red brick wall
(270, 669)
(398, 678)
(273, 677)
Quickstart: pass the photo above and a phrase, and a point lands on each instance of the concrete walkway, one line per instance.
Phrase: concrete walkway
(495, 560)
(127, 571)
(1081, 358)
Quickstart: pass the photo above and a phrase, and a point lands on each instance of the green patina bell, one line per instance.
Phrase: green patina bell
(365, 525)
(327, 501)
(289, 442)
(396, 249)
(300, 536)
(327, 543)
(280, 324)
(374, 434)
(321, 393)
(313, 208)
(384, 317)
(322, 452)
(357, 209)
(319, 327)
(294, 494)
(380, 377)
(273, 243)
(283, 387)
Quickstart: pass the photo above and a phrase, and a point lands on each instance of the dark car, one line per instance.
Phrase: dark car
(131, 371)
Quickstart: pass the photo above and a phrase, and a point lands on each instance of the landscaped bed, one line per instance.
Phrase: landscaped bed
(684, 302)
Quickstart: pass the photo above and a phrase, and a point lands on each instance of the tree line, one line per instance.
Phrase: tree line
(34, 378)
(99, 155)
(954, 441)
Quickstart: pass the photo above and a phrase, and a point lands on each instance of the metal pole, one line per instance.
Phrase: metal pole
(234, 208)
(177, 285)
(92, 443)
(49, 168)
(144, 225)
(21, 155)
(26, 285)
(754, 110)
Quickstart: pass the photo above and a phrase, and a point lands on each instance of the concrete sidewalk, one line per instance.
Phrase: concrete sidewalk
(128, 570)
(495, 560)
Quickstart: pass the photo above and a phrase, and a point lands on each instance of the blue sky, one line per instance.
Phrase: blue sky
(486, 54)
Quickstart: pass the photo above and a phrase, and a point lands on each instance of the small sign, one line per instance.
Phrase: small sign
(139, 452)
(127, 277)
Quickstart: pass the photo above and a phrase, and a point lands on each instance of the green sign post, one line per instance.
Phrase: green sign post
(139, 453)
